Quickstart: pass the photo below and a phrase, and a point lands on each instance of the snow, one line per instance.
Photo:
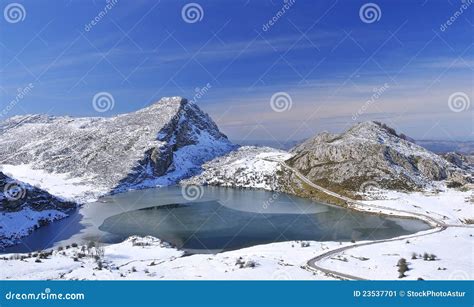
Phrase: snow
(157, 260)
(61, 185)
(451, 206)
(188, 160)
(14, 225)
(452, 248)
(248, 167)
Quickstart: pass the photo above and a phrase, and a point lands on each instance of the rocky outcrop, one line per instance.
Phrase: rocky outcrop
(24, 208)
(465, 162)
(370, 153)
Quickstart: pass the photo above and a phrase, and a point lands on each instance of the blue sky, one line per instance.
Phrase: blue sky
(320, 53)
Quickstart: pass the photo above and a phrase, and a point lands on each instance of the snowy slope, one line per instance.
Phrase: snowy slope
(157, 145)
(247, 167)
(150, 258)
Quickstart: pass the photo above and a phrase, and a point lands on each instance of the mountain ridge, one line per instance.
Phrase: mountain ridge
(172, 137)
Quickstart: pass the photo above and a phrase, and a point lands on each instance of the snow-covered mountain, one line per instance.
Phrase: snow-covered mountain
(24, 207)
(157, 145)
(371, 152)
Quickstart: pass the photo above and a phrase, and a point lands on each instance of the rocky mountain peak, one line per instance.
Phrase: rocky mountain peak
(156, 145)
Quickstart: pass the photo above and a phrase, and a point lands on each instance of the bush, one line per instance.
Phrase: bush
(304, 244)
(250, 264)
(402, 267)
(239, 261)
(429, 257)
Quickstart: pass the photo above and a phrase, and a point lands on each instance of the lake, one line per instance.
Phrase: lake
(216, 219)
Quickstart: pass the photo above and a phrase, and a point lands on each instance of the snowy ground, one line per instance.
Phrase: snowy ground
(157, 260)
(448, 205)
(452, 248)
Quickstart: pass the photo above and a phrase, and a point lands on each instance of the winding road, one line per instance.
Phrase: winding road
(312, 264)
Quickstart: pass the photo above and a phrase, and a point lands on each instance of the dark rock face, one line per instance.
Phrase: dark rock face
(16, 195)
(465, 162)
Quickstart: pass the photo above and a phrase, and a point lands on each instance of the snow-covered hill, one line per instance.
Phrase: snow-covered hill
(246, 167)
(157, 145)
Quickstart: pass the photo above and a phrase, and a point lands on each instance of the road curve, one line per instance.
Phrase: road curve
(312, 264)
